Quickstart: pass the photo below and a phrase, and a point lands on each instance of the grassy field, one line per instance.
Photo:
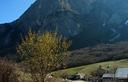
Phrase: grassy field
(87, 69)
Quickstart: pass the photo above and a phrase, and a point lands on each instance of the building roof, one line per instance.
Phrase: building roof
(78, 81)
(108, 75)
(81, 74)
(122, 73)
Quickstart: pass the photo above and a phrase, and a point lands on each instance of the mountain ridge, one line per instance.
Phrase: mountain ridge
(85, 22)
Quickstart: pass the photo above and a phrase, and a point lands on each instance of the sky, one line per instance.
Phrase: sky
(11, 10)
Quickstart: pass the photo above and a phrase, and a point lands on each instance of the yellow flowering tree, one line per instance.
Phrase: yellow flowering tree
(42, 54)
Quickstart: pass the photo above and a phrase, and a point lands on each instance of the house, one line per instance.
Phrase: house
(79, 81)
(108, 77)
(77, 76)
(81, 75)
(121, 75)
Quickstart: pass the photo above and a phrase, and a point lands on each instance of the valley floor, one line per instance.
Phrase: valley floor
(87, 69)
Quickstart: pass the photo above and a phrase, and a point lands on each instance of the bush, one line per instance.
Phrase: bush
(98, 72)
(7, 71)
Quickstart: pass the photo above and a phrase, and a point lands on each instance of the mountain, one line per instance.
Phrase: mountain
(85, 22)
(98, 53)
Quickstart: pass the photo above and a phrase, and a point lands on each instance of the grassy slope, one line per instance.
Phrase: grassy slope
(99, 53)
(87, 69)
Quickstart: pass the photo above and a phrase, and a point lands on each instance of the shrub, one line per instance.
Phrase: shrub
(7, 69)
(98, 72)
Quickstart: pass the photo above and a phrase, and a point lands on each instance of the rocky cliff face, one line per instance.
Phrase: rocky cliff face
(85, 22)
